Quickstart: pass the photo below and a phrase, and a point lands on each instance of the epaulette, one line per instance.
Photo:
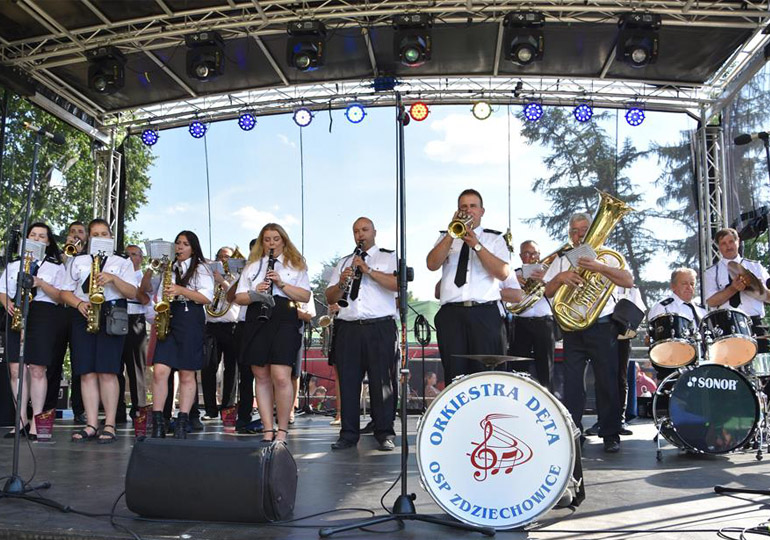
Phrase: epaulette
(124, 255)
(52, 260)
(564, 250)
(666, 302)
(442, 232)
(386, 250)
(15, 258)
(492, 231)
(751, 260)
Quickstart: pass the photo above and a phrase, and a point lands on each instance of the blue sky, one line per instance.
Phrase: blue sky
(255, 178)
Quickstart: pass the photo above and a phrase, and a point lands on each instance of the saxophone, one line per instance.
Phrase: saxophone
(95, 296)
(577, 308)
(163, 307)
(17, 313)
(534, 289)
(219, 306)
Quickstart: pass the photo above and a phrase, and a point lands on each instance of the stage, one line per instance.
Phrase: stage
(628, 495)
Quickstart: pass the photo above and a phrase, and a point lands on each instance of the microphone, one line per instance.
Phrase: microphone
(746, 138)
(56, 138)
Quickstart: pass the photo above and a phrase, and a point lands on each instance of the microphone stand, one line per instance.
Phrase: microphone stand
(15, 486)
(403, 508)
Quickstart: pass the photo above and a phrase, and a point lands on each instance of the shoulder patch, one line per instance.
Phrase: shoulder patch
(666, 302)
(386, 250)
(492, 231)
(52, 260)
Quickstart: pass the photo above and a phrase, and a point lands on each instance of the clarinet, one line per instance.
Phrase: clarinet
(266, 311)
(343, 302)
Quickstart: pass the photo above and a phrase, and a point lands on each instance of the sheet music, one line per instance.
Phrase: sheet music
(36, 248)
(583, 250)
(99, 244)
(236, 265)
(156, 249)
(528, 269)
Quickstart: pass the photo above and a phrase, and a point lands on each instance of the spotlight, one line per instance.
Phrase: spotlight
(523, 37)
(583, 112)
(150, 136)
(418, 111)
(246, 121)
(197, 129)
(355, 113)
(635, 116)
(303, 117)
(106, 70)
(305, 47)
(412, 38)
(481, 110)
(205, 55)
(533, 111)
(638, 39)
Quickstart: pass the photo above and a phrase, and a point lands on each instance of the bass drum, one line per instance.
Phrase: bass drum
(711, 409)
(496, 450)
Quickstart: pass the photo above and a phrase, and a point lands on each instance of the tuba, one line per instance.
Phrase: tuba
(163, 307)
(16, 321)
(534, 289)
(577, 308)
(95, 296)
(219, 306)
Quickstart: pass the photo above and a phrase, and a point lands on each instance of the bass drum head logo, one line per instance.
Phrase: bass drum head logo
(495, 449)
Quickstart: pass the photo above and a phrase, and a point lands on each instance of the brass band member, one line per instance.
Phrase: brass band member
(598, 342)
(271, 338)
(43, 317)
(472, 268)
(97, 357)
(365, 339)
(191, 287)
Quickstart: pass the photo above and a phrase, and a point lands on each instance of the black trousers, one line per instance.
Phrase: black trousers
(468, 330)
(134, 361)
(534, 338)
(54, 372)
(366, 349)
(624, 353)
(599, 343)
(222, 347)
(245, 382)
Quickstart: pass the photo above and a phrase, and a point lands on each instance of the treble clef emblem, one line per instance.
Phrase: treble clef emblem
(500, 449)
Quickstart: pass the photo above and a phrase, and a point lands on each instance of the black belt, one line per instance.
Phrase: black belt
(606, 318)
(543, 318)
(367, 321)
(471, 303)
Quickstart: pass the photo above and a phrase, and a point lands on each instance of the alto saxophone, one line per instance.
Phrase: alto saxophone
(95, 296)
(163, 307)
(17, 314)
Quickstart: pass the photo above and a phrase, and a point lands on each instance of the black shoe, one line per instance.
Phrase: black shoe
(196, 424)
(180, 427)
(625, 431)
(342, 444)
(611, 445)
(386, 446)
(81, 418)
(158, 425)
(368, 428)
(252, 428)
(593, 431)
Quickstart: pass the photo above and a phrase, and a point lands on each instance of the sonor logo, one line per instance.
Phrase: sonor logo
(710, 382)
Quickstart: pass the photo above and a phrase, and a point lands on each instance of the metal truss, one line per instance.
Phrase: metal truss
(106, 194)
(708, 147)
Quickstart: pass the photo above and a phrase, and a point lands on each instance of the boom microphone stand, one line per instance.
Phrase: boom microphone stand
(403, 508)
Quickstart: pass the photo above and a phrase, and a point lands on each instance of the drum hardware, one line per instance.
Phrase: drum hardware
(491, 361)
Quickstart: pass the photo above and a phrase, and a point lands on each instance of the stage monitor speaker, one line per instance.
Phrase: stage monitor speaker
(250, 482)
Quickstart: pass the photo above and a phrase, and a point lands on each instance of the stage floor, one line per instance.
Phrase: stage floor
(629, 494)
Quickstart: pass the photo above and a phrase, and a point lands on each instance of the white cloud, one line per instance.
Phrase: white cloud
(178, 208)
(285, 140)
(468, 141)
(252, 219)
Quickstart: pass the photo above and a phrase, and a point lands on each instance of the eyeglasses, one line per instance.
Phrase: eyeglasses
(530, 253)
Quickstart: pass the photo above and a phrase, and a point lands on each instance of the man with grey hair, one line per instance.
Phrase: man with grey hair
(598, 342)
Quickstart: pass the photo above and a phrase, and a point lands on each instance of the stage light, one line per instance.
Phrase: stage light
(481, 110)
(205, 55)
(303, 117)
(355, 113)
(246, 121)
(412, 41)
(418, 111)
(583, 112)
(533, 111)
(150, 136)
(635, 116)
(106, 70)
(197, 129)
(637, 43)
(306, 44)
(523, 37)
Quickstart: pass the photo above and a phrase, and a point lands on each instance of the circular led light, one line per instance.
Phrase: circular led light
(533, 111)
(303, 117)
(482, 110)
(100, 83)
(246, 121)
(302, 61)
(149, 136)
(634, 116)
(583, 112)
(639, 57)
(524, 54)
(418, 111)
(355, 113)
(197, 129)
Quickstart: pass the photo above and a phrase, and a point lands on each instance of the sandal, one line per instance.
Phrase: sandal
(284, 439)
(82, 435)
(265, 433)
(107, 437)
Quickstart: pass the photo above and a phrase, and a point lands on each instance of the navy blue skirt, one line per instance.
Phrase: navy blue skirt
(44, 324)
(183, 348)
(96, 353)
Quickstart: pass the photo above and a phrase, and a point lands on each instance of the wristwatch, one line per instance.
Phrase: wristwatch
(477, 247)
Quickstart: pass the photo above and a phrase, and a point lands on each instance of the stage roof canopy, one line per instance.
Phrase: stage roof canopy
(707, 50)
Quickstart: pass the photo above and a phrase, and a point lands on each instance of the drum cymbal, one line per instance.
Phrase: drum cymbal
(754, 286)
(492, 360)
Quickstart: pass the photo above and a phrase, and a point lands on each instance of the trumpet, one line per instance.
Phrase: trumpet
(459, 226)
(72, 248)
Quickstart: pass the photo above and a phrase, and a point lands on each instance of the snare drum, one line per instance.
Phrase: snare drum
(730, 333)
(760, 366)
(672, 344)
(496, 450)
(710, 409)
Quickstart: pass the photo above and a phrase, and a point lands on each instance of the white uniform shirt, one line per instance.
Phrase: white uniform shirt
(479, 286)
(676, 306)
(50, 272)
(717, 278)
(373, 299)
(541, 308)
(562, 264)
(135, 307)
(80, 270)
(254, 274)
(202, 281)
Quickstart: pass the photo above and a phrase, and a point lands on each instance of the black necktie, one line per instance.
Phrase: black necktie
(735, 300)
(461, 276)
(34, 267)
(357, 280)
(694, 313)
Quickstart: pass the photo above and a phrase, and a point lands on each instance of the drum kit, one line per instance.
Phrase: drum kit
(714, 402)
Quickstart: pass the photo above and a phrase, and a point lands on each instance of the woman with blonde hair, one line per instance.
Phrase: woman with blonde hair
(274, 280)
